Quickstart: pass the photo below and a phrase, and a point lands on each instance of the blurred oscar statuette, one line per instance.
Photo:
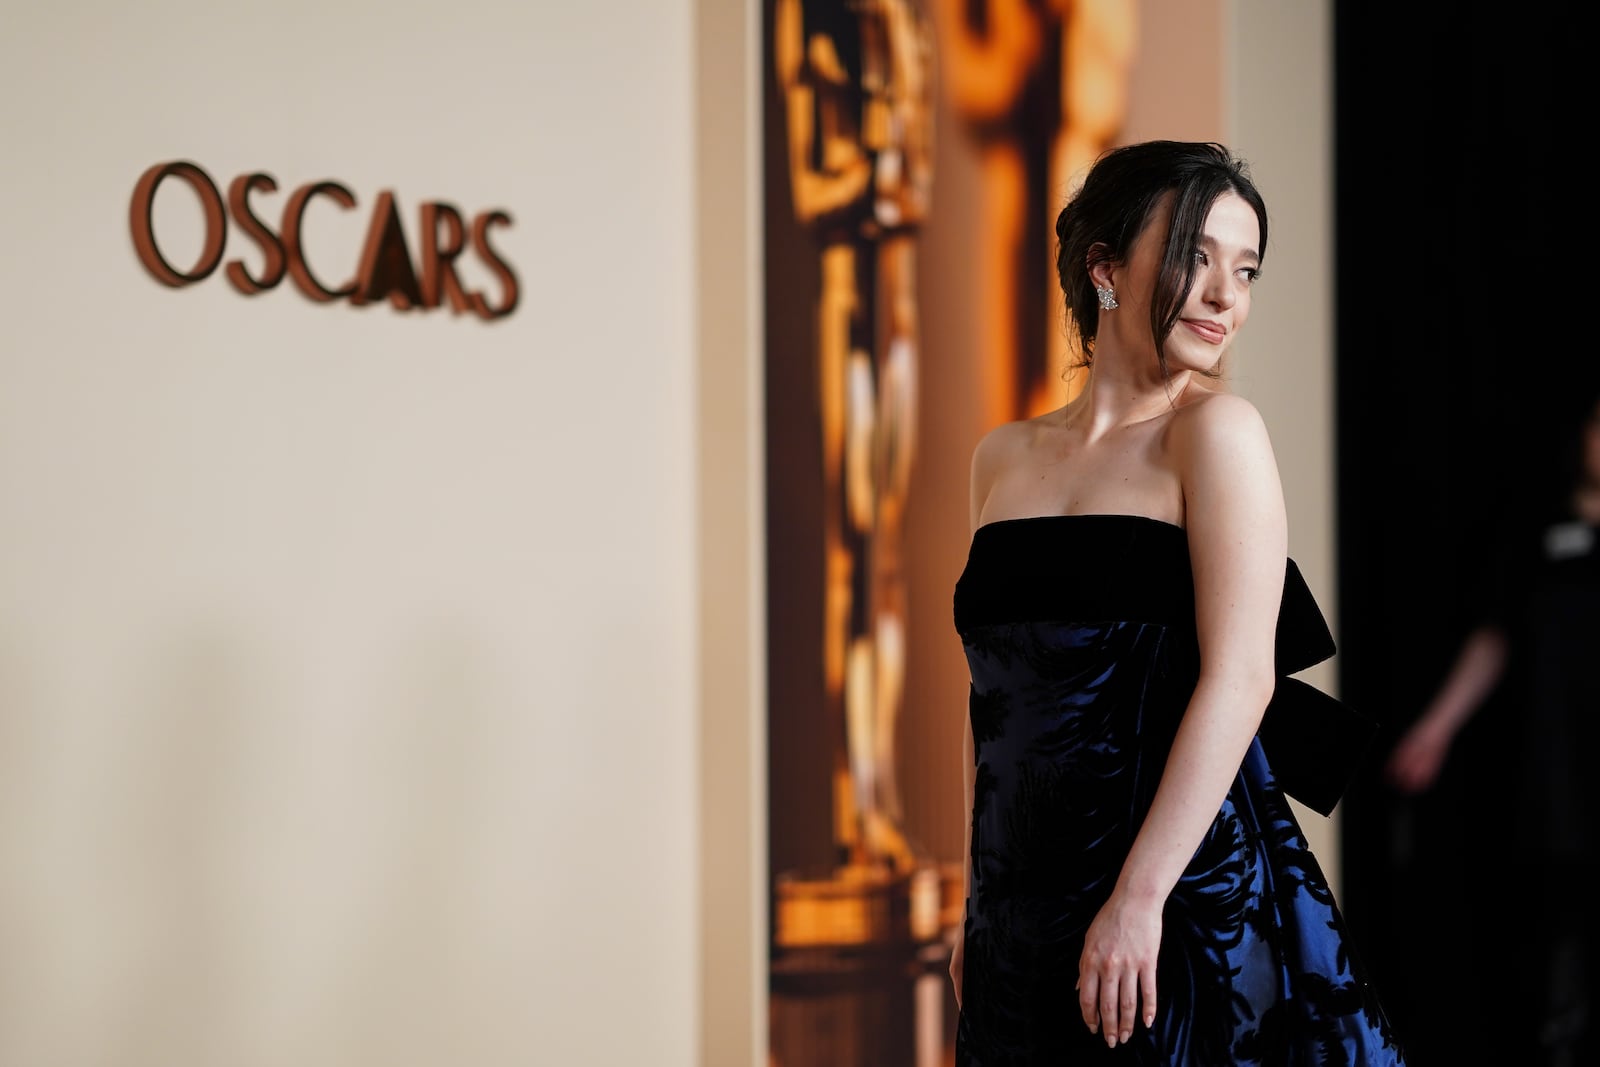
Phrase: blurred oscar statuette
(856, 78)
(1040, 88)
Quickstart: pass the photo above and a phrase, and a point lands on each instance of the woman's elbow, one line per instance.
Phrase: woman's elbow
(1250, 688)
(1259, 690)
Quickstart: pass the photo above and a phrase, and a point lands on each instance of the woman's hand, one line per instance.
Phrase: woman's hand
(958, 961)
(1414, 765)
(1117, 970)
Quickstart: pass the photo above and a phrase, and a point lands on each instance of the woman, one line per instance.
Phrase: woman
(1138, 889)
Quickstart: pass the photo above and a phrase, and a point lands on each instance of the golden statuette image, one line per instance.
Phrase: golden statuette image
(1041, 88)
(857, 81)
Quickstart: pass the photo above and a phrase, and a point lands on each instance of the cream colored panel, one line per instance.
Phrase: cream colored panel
(347, 658)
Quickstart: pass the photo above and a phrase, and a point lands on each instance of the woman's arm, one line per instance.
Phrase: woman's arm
(985, 460)
(1417, 758)
(1238, 548)
(958, 953)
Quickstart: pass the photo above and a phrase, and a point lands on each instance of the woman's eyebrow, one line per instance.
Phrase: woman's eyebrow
(1212, 244)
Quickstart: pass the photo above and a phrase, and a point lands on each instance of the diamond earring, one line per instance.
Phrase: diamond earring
(1108, 297)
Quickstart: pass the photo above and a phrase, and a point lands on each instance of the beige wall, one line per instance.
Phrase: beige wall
(732, 536)
(1278, 60)
(1178, 83)
(348, 693)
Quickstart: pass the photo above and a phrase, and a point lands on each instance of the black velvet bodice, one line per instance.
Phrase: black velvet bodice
(1130, 567)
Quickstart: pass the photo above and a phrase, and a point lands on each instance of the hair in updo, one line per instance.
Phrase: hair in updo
(1101, 221)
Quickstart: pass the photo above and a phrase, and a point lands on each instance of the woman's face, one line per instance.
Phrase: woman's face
(1219, 301)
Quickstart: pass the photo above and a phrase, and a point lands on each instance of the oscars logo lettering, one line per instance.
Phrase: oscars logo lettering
(384, 271)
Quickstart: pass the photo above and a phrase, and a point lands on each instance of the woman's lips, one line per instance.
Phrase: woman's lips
(1209, 331)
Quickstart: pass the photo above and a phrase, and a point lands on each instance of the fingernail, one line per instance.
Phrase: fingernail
(1111, 1040)
(1125, 1035)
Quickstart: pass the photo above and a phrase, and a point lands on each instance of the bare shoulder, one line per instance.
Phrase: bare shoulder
(1000, 442)
(1231, 489)
(1217, 426)
(1213, 410)
(995, 451)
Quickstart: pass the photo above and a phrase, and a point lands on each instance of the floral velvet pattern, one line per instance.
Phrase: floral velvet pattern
(1076, 697)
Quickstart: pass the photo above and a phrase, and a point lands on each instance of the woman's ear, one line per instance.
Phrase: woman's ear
(1099, 264)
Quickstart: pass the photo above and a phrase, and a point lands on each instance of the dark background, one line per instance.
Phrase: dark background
(1463, 367)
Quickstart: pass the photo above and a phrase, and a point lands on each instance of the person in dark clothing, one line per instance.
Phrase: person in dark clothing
(1536, 648)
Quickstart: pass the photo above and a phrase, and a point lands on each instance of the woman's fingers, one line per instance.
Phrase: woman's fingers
(958, 961)
(1108, 1009)
(1089, 1000)
(1111, 1003)
(1117, 970)
(1127, 1003)
(1119, 1005)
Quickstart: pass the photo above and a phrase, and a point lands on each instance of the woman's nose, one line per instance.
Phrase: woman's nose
(1218, 290)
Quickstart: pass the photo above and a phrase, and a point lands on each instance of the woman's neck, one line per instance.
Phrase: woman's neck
(1113, 398)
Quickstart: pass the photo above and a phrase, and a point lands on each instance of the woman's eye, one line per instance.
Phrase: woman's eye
(1200, 256)
(1250, 274)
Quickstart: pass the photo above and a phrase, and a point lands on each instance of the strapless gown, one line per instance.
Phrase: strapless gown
(1080, 635)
